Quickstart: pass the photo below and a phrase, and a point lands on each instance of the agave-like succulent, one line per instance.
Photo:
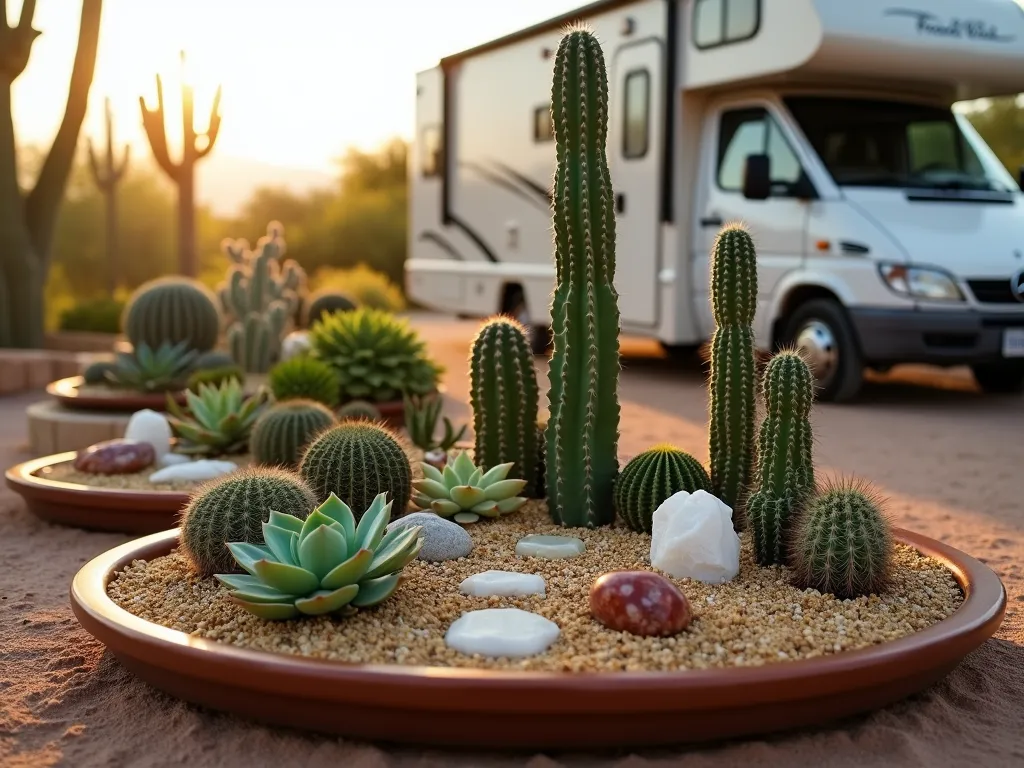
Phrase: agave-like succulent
(467, 492)
(421, 414)
(219, 419)
(147, 371)
(325, 564)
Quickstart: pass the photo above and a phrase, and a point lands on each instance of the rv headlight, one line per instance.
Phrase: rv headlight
(920, 282)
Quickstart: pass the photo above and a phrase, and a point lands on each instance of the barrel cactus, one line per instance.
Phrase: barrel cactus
(326, 302)
(283, 431)
(305, 377)
(96, 372)
(503, 397)
(233, 508)
(733, 376)
(785, 466)
(357, 460)
(324, 564)
(583, 428)
(172, 310)
(651, 477)
(359, 409)
(843, 543)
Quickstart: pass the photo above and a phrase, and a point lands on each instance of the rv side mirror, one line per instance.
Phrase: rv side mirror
(757, 177)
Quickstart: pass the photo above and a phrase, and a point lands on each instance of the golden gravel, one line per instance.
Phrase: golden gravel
(135, 481)
(757, 618)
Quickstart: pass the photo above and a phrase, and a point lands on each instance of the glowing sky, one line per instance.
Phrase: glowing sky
(302, 79)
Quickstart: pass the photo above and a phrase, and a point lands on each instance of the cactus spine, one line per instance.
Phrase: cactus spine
(583, 428)
(261, 295)
(651, 477)
(843, 543)
(785, 467)
(283, 431)
(172, 310)
(503, 396)
(733, 375)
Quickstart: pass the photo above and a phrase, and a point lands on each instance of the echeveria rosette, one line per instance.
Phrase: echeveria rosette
(220, 419)
(325, 564)
(463, 488)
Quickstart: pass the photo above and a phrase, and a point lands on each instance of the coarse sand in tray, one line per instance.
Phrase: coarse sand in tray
(65, 472)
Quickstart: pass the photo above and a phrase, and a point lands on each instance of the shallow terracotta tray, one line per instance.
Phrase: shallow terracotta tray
(83, 506)
(67, 393)
(501, 709)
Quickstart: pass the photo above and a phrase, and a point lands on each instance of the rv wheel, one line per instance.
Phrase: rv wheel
(823, 334)
(539, 336)
(999, 378)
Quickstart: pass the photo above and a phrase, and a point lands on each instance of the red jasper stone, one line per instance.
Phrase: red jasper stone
(115, 457)
(639, 602)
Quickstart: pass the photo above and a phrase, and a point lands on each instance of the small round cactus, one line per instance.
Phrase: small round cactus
(282, 432)
(324, 303)
(842, 543)
(651, 477)
(213, 359)
(356, 460)
(234, 508)
(359, 409)
(96, 373)
(305, 378)
(172, 310)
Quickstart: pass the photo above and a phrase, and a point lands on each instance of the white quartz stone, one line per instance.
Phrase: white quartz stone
(549, 547)
(172, 459)
(295, 344)
(148, 426)
(204, 469)
(692, 537)
(508, 632)
(503, 584)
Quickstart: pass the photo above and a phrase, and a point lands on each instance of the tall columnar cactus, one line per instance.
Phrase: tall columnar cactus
(107, 174)
(261, 295)
(172, 310)
(583, 427)
(785, 467)
(733, 376)
(503, 396)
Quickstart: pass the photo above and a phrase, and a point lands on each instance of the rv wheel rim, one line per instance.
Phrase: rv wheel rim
(817, 343)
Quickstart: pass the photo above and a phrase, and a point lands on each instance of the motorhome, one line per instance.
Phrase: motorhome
(887, 230)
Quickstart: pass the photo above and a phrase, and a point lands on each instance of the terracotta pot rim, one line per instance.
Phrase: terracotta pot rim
(66, 392)
(904, 665)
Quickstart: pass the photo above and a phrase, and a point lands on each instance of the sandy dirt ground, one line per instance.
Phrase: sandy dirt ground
(948, 459)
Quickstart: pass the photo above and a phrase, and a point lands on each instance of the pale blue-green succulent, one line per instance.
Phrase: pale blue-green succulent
(467, 492)
(324, 564)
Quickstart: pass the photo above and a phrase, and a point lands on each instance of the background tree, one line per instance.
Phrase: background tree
(107, 175)
(1001, 124)
(28, 218)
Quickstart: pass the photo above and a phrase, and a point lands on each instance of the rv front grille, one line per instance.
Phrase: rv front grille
(992, 291)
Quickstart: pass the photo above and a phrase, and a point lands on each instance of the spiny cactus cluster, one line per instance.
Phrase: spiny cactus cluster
(733, 375)
(172, 310)
(503, 396)
(282, 433)
(261, 295)
(305, 377)
(357, 460)
(651, 477)
(234, 508)
(843, 542)
(785, 466)
(582, 436)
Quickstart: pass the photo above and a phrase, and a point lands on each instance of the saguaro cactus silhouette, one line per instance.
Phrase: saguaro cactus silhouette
(182, 173)
(28, 216)
(108, 174)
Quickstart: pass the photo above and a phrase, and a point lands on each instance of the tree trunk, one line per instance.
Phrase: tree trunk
(187, 259)
(113, 265)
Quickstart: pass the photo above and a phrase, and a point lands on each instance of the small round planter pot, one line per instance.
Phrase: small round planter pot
(68, 392)
(98, 509)
(528, 710)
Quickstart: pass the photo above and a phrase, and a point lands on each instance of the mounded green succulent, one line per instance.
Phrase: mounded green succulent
(305, 378)
(213, 359)
(378, 356)
(324, 564)
(467, 492)
(421, 414)
(219, 420)
(96, 373)
(359, 409)
(144, 370)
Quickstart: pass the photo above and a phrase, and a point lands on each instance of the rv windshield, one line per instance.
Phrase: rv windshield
(870, 143)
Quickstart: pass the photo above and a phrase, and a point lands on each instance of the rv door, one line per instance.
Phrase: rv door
(634, 151)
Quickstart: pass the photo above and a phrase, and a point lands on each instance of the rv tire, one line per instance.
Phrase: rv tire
(822, 330)
(999, 378)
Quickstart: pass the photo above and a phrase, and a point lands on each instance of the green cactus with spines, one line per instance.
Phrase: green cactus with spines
(324, 303)
(359, 409)
(785, 466)
(356, 460)
(583, 427)
(96, 373)
(842, 543)
(540, 490)
(233, 508)
(305, 377)
(282, 433)
(172, 310)
(733, 375)
(653, 476)
(261, 295)
(503, 397)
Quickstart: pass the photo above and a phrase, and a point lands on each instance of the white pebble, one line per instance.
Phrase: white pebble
(204, 469)
(503, 584)
(149, 426)
(508, 632)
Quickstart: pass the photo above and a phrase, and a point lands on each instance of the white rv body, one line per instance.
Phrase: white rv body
(924, 263)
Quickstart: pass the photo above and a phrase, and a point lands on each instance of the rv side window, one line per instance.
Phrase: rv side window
(718, 22)
(744, 132)
(430, 145)
(543, 124)
(635, 130)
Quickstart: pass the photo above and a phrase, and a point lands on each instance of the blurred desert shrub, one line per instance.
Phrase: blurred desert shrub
(368, 287)
(99, 315)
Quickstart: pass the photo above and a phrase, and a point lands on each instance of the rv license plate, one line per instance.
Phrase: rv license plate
(1013, 342)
